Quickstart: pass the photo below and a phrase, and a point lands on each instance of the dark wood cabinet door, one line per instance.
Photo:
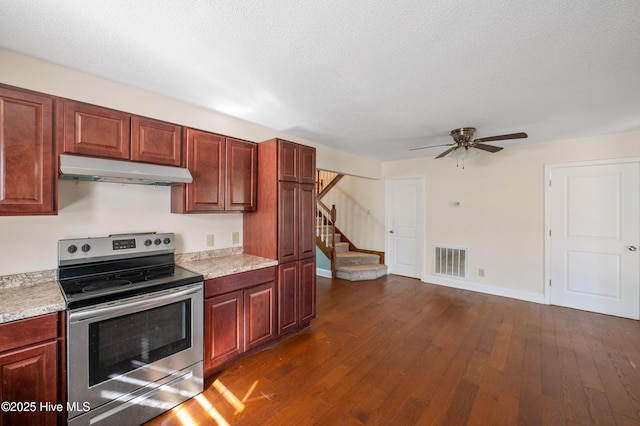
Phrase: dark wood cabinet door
(307, 164)
(288, 161)
(307, 232)
(307, 290)
(205, 161)
(260, 314)
(29, 375)
(288, 221)
(28, 165)
(288, 279)
(223, 328)
(95, 131)
(242, 175)
(157, 142)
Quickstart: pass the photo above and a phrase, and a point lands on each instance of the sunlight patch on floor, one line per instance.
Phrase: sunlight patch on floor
(184, 416)
(247, 395)
(229, 396)
(210, 409)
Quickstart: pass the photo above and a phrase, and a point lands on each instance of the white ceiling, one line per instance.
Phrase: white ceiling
(375, 78)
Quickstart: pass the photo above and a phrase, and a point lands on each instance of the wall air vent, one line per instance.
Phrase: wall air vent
(450, 261)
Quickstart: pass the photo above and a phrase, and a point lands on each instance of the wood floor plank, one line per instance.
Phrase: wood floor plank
(586, 365)
(507, 411)
(600, 411)
(498, 356)
(398, 351)
(460, 409)
(574, 396)
(513, 371)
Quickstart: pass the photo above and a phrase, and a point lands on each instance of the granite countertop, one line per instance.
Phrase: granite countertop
(37, 293)
(29, 295)
(219, 263)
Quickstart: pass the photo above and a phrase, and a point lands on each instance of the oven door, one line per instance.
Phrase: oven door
(126, 348)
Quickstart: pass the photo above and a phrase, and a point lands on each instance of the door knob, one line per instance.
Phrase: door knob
(391, 232)
(632, 248)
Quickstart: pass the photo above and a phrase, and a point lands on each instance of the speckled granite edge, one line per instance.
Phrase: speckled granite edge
(220, 266)
(27, 278)
(30, 300)
(209, 254)
(37, 293)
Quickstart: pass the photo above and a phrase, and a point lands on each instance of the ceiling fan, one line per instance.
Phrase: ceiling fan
(463, 147)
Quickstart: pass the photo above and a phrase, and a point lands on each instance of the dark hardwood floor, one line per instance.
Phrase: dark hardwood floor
(396, 351)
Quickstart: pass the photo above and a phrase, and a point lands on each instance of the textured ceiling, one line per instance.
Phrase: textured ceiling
(375, 78)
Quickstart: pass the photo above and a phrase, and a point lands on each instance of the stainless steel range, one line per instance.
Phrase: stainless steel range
(134, 328)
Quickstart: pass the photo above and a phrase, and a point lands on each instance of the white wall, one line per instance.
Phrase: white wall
(360, 210)
(501, 217)
(96, 209)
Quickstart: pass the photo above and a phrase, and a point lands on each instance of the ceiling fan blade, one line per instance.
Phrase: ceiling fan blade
(521, 135)
(431, 146)
(446, 152)
(489, 148)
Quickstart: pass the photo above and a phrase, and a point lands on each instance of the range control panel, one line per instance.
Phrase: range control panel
(85, 250)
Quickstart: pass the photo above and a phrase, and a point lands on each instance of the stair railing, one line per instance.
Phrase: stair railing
(326, 231)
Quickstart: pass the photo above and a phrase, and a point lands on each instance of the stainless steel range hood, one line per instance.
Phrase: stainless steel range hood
(101, 170)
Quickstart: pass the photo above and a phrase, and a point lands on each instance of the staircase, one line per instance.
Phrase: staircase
(357, 266)
(347, 261)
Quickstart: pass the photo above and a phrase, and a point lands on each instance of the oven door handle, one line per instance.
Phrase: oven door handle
(148, 301)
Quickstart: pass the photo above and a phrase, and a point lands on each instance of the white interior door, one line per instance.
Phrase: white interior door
(594, 215)
(405, 226)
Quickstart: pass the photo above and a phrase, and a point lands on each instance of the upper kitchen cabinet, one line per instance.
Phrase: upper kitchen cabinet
(242, 172)
(102, 132)
(28, 166)
(204, 153)
(224, 174)
(307, 156)
(296, 163)
(157, 142)
(95, 131)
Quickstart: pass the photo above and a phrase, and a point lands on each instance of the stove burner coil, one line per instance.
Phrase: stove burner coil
(103, 284)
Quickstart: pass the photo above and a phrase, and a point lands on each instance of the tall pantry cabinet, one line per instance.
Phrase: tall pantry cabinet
(283, 227)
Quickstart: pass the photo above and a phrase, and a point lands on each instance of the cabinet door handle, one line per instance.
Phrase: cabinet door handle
(632, 248)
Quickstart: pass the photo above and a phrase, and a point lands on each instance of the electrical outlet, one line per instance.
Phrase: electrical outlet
(210, 240)
(481, 272)
(235, 238)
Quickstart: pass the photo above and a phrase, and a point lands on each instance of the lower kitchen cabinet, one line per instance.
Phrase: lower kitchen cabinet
(224, 331)
(288, 283)
(296, 294)
(259, 314)
(239, 315)
(307, 290)
(29, 373)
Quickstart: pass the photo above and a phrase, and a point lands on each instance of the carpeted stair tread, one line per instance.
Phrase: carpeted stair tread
(361, 272)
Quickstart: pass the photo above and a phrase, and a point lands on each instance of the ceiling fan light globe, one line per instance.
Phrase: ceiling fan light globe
(464, 153)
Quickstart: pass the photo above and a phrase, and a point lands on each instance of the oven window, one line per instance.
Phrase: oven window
(122, 344)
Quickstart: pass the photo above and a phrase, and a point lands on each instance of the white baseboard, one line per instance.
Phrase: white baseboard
(326, 273)
(483, 288)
